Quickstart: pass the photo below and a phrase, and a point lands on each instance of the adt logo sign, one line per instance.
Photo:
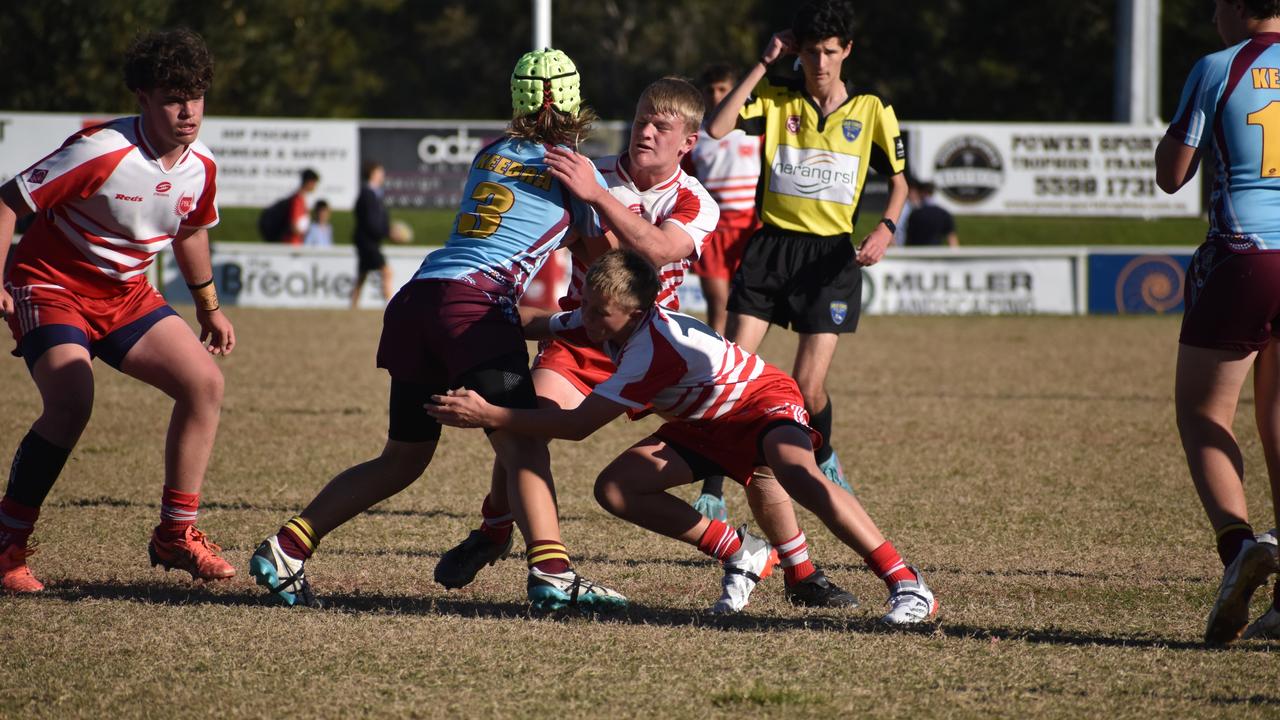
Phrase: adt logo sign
(1137, 284)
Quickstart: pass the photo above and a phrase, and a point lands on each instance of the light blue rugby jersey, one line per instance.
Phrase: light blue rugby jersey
(1232, 101)
(513, 215)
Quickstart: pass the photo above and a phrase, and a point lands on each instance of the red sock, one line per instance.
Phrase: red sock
(496, 527)
(16, 522)
(793, 556)
(719, 541)
(548, 556)
(887, 564)
(297, 539)
(177, 513)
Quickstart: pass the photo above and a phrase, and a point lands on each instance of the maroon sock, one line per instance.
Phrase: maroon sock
(297, 539)
(548, 556)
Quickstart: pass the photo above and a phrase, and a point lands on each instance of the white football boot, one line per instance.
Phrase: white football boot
(744, 569)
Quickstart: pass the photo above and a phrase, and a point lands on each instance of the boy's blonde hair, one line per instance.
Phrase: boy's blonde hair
(624, 277)
(675, 96)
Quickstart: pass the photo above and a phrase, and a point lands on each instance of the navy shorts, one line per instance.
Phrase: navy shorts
(809, 283)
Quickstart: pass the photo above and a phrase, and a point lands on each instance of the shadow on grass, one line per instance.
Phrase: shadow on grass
(104, 501)
(636, 614)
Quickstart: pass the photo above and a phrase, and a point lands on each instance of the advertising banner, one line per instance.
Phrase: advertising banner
(427, 162)
(259, 159)
(269, 275)
(972, 285)
(27, 137)
(1140, 280)
(1046, 169)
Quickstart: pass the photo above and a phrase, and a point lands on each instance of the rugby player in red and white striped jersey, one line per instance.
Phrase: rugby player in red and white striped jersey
(107, 201)
(727, 410)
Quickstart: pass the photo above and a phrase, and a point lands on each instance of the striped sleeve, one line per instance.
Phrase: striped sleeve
(695, 213)
(72, 172)
(1199, 97)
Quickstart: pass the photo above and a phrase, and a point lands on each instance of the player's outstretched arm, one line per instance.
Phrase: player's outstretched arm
(1176, 163)
(191, 250)
(467, 409)
(725, 117)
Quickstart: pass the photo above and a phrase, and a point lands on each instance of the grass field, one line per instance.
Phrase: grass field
(431, 227)
(1029, 466)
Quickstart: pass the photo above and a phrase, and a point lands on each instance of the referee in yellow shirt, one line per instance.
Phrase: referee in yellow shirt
(801, 269)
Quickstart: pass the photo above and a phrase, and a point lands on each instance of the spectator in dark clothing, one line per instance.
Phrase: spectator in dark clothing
(372, 225)
(929, 224)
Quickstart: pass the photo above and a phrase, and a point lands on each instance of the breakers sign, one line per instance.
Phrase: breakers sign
(281, 276)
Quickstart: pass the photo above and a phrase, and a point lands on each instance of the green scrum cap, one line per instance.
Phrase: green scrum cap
(542, 78)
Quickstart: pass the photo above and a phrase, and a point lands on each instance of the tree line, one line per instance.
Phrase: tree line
(1051, 60)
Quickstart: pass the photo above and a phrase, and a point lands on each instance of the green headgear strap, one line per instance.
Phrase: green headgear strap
(542, 78)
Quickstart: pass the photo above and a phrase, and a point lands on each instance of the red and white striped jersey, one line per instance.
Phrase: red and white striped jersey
(728, 168)
(680, 199)
(676, 364)
(106, 206)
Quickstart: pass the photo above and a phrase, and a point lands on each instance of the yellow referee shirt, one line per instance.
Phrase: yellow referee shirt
(813, 168)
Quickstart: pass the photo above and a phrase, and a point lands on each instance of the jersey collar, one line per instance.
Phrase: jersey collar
(817, 111)
(150, 149)
(625, 159)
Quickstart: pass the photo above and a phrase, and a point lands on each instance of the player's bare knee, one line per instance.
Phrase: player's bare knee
(65, 416)
(610, 494)
(406, 461)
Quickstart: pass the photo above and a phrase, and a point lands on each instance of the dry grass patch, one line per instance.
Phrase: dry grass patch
(1029, 466)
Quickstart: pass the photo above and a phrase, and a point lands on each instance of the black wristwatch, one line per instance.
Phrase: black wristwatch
(893, 226)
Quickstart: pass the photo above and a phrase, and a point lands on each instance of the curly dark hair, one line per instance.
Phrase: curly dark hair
(821, 19)
(174, 60)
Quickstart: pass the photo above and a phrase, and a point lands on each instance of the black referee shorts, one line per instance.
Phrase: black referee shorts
(809, 283)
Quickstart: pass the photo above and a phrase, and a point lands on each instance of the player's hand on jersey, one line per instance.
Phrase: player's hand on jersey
(6, 304)
(576, 172)
(460, 408)
(216, 333)
(874, 246)
(782, 43)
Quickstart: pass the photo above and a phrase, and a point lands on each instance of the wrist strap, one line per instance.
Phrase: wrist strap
(205, 296)
(893, 227)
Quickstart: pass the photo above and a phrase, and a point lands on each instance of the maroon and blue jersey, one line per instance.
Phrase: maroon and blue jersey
(513, 215)
(1231, 104)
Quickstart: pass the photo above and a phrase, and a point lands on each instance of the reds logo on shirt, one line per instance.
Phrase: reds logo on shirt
(186, 204)
(793, 124)
(163, 187)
